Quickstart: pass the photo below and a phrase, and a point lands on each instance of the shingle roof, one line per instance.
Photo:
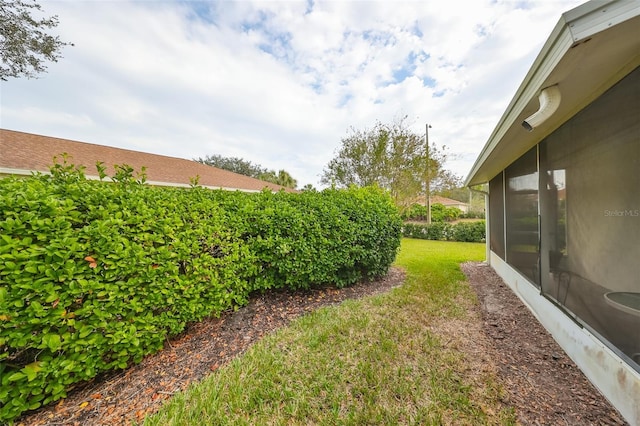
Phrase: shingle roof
(445, 201)
(437, 199)
(26, 152)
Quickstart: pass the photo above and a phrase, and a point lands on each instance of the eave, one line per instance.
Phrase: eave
(590, 49)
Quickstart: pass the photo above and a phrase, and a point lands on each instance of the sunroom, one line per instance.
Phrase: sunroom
(563, 167)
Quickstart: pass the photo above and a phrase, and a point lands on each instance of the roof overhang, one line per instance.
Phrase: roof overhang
(590, 49)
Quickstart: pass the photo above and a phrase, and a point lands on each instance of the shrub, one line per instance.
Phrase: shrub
(473, 214)
(434, 231)
(415, 212)
(463, 231)
(96, 275)
(468, 232)
(439, 213)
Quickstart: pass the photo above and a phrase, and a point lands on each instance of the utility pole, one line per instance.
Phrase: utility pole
(428, 177)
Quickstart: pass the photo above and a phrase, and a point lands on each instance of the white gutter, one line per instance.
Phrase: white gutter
(574, 27)
(549, 102)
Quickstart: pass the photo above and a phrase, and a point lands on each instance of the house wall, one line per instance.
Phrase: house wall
(601, 365)
(464, 208)
(579, 190)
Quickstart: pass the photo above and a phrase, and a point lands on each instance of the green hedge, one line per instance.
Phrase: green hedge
(473, 214)
(439, 213)
(464, 231)
(94, 275)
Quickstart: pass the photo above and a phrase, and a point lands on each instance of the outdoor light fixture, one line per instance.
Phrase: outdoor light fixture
(549, 101)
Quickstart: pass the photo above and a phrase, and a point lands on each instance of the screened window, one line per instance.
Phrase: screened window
(521, 192)
(590, 216)
(496, 215)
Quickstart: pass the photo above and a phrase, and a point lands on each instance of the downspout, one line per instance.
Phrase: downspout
(487, 225)
(549, 101)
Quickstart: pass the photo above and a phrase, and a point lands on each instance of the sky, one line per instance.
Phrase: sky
(280, 83)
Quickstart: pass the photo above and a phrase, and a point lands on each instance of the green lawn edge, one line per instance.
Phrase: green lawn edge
(378, 360)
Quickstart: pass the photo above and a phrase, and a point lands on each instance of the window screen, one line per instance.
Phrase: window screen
(496, 215)
(521, 191)
(590, 215)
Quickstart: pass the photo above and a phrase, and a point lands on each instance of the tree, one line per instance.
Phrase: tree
(282, 178)
(392, 157)
(442, 179)
(286, 180)
(247, 168)
(25, 45)
(233, 164)
(459, 193)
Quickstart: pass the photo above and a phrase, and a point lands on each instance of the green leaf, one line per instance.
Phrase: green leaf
(31, 370)
(52, 341)
(51, 298)
(84, 332)
(16, 376)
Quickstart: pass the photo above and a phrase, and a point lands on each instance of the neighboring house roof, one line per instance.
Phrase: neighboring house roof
(437, 199)
(447, 202)
(592, 47)
(24, 153)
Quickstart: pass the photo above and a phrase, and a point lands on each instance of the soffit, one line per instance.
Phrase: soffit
(585, 55)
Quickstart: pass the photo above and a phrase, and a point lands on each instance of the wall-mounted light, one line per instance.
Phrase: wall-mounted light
(549, 101)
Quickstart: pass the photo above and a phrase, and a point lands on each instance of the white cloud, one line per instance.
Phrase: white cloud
(279, 83)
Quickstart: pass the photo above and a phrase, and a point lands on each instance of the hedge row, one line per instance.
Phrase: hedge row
(464, 231)
(473, 214)
(439, 213)
(94, 275)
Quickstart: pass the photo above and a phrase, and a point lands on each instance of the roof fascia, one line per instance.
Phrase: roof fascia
(552, 51)
(590, 18)
(573, 26)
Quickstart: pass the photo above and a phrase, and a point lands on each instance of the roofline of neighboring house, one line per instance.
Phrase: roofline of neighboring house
(439, 199)
(24, 154)
(24, 172)
(592, 47)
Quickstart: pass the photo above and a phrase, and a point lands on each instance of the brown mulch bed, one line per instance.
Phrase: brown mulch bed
(120, 398)
(541, 383)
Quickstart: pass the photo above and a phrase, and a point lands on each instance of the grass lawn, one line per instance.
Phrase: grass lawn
(380, 360)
